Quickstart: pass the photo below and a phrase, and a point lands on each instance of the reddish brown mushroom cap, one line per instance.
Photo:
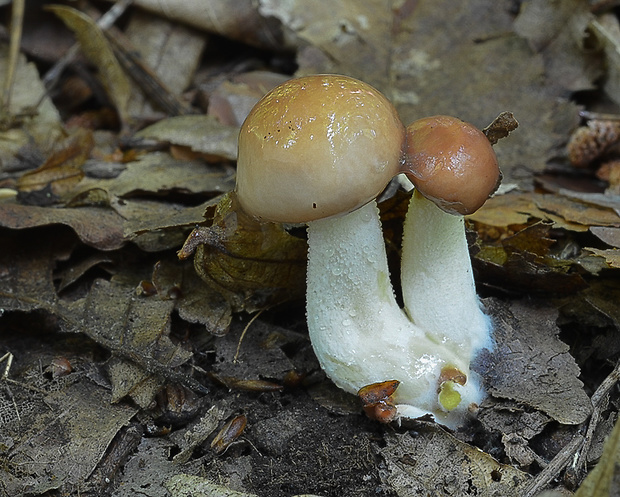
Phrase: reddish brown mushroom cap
(451, 163)
(316, 147)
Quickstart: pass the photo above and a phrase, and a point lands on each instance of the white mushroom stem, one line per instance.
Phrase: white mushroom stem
(438, 286)
(360, 334)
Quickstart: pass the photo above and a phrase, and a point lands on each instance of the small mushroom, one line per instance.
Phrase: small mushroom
(454, 170)
(318, 150)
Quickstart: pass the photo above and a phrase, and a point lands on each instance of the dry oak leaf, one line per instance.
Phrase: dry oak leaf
(203, 134)
(531, 365)
(98, 227)
(434, 463)
(79, 423)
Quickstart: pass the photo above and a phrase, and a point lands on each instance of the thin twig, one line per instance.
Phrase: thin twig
(17, 20)
(557, 464)
(243, 333)
(579, 445)
(598, 405)
(8, 357)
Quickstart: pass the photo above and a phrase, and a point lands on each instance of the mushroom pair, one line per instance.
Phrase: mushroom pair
(318, 150)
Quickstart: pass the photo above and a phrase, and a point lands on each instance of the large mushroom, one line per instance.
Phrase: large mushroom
(454, 170)
(318, 150)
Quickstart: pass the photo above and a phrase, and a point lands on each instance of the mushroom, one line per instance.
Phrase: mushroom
(454, 170)
(318, 150)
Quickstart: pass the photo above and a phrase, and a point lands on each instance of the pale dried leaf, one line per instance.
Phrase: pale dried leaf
(26, 271)
(98, 227)
(559, 32)
(170, 49)
(609, 235)
(197, 302)
(531, 365)
(78, 423)
(353, 37)
(182, 485)
(465, 62)
(158, 173)
(607, 30)
(97, 49)
(432, 462)
(44, 128)
(202, 134)
(239, 20)
(611, 256)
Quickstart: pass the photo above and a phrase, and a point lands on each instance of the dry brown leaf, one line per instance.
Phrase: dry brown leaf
(347, 37)
(518, 426)
(575, 211)
(238, 21)
(172, 51)
(251, 263)
(559, 32)
(609, 235)
(127, 379)
(75, 270)
(233, 100)
(78, 422)
(97, 49)
(195, 301)
(509, 209)
(202, 134)
(611, 256)
(531, 365)
(116, 317)
(135, 328)
(41, 125)
(523, 260)
(157, 174)
(26, 269)
(569, 211)
(63, 168)
(432, 462)
(97, 227)
(156, 226)
(467, 62)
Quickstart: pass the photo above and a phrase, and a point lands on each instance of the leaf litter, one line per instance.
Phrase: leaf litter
(164, 353)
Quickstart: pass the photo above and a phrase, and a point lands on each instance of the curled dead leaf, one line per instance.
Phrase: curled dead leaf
(254, 264)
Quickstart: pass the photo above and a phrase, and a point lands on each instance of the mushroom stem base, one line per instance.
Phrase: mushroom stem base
(360, 334)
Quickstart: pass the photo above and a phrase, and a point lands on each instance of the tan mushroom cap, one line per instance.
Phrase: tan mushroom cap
(451, 162)
(316, 147)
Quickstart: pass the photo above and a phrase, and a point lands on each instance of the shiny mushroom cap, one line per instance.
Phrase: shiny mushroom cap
(451, 163)
(316, 147)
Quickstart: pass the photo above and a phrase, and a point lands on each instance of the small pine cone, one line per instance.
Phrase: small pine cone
(590, 142)
(610, 172)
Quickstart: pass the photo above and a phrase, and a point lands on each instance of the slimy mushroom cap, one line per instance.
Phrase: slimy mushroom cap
(316, 147)
(451, 163)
